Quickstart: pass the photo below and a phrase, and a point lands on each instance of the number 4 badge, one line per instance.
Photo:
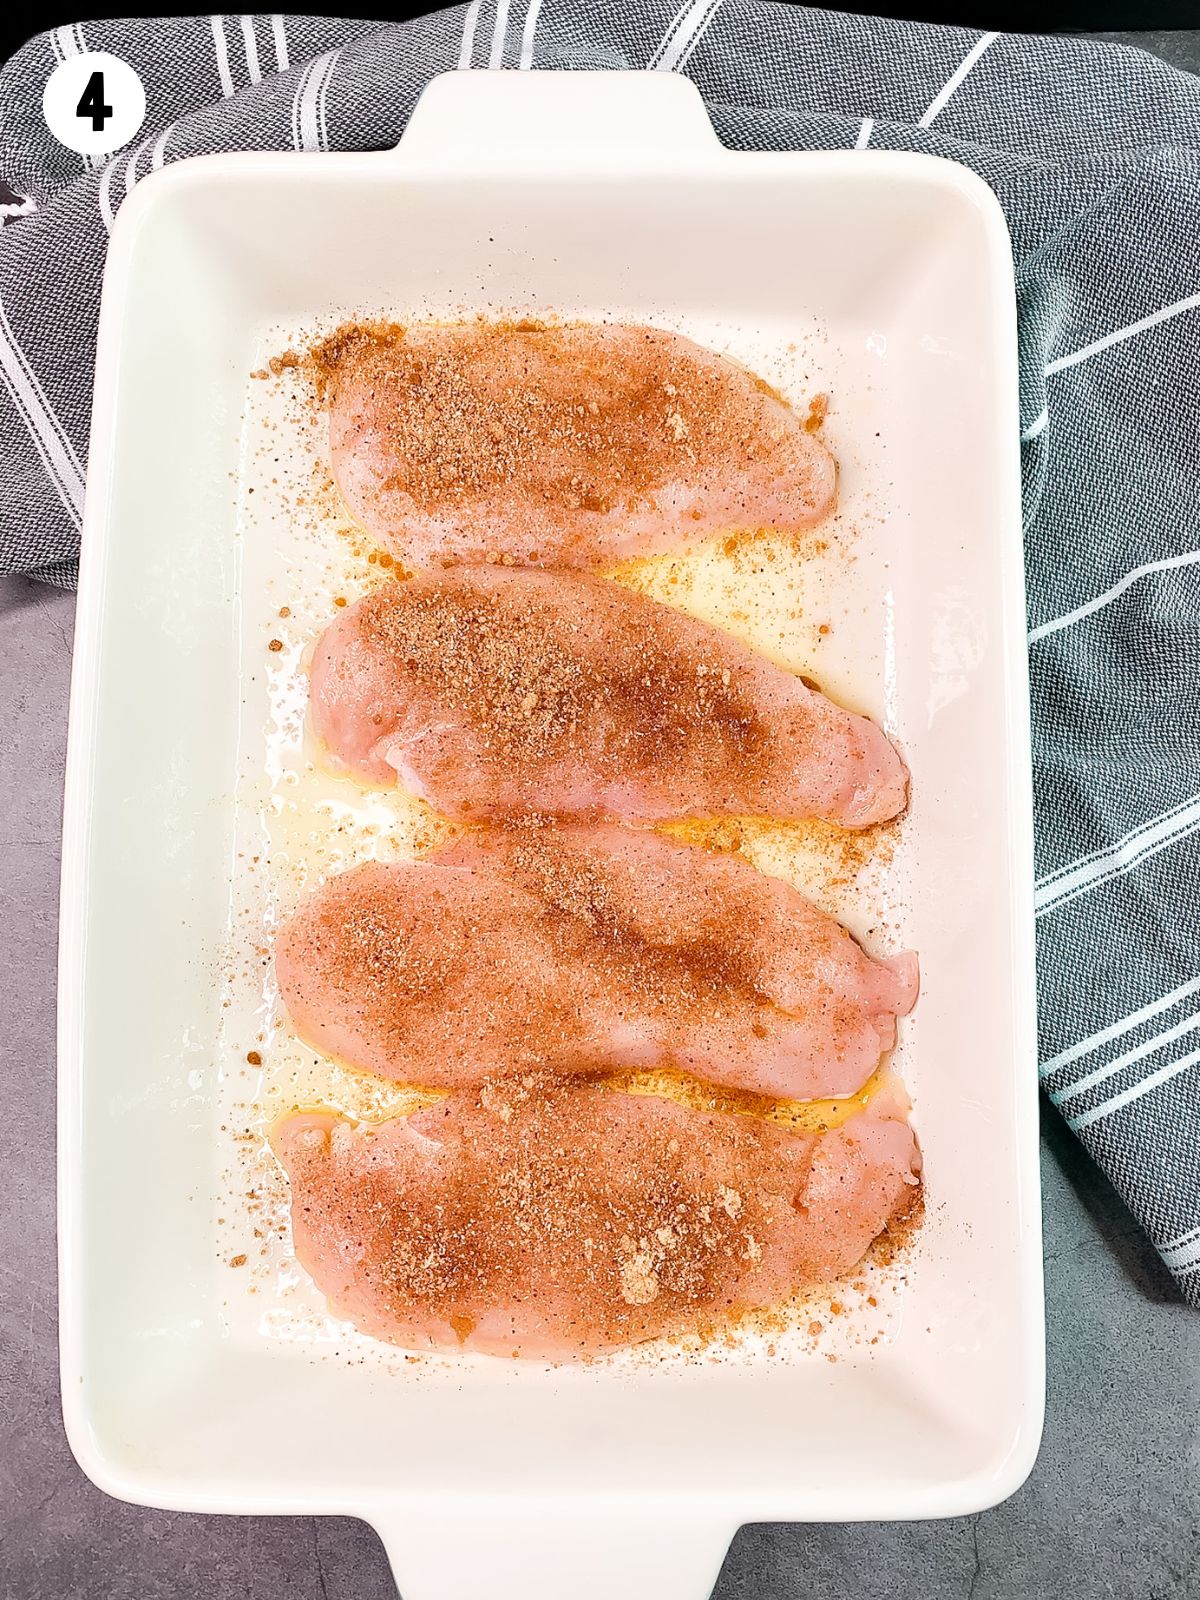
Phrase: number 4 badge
(94, 103)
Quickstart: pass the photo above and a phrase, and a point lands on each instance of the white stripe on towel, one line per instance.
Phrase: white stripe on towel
(1106, 850)
(938, 103)
(700, 34)
(1096, 1041)
(1177, 310)
(279, 36)
(1110, 1069)
(251, 47)
(667, 37)
(531, 20)
(45, 430)
(159, 154)
(301, 86)
(499, 35)
(306, 125)
(69, 41)
(693, 28)
(1135, 1091)
(323, 97)
(864, 133)
(467, 48)
(104, 195)
(1189, 558)
(221, 51)
(1037, 425)
(1069, 882)
(132, 164)
(1184, 1253)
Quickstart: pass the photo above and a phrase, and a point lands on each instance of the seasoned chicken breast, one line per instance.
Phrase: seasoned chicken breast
(586, 949)
(567, 447)
(554, 1220)
(492, 692)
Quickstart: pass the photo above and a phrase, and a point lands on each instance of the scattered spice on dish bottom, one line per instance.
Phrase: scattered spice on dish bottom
(686, 1282)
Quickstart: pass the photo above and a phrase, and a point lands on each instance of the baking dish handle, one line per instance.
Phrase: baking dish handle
(555, 120)
(516, 1554)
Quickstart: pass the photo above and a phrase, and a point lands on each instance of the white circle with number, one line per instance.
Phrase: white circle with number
(94, 103)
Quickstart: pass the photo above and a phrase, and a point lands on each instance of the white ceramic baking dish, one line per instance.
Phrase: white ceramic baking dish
(573, 192)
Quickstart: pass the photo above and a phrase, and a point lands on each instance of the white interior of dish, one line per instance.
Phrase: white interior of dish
(890, 274)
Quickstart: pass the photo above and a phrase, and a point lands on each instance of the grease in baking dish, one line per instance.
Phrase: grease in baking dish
(621, 1019)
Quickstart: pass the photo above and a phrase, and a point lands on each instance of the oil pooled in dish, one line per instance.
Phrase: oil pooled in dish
(550, 1219)
(584, 947)
(616, 1015)
(490, 691)
(558, 446)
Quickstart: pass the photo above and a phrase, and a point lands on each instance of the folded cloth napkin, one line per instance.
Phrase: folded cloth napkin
(1094, 151)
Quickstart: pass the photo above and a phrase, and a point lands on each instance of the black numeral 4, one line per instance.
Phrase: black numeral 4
(91, 103)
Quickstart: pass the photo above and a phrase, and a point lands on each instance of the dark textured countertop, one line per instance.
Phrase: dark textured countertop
(1112, 1507)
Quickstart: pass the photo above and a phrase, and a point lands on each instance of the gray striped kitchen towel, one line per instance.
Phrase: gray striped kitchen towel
(1094, 151)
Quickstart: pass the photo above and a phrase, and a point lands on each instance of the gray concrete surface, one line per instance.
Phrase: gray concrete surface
(1112, 1508)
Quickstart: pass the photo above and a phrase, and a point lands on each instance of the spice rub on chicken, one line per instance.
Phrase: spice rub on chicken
(586, 948)
(491, 692)
(552, 1220)
(558, 446)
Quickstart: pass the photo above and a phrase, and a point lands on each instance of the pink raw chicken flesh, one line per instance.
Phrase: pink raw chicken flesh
(565, 447)
(584, 949)
(557, 1220)
(491, 692)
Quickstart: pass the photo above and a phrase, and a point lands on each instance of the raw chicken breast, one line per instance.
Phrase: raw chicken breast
(491, 692)
(586, 949)
(554, 1220)
(563, 447)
